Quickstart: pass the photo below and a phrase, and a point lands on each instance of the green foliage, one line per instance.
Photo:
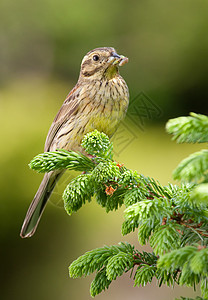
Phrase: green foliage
(192, 129)
(109, 201)
(97, 144)
(144, 274)
(200, 194)
(106, 172)
(152, 210)
(193, 168)
(191, 262)
(117, 264)
(177, 259)
(59, 160)
(79, 190)
(165, 238)
(191, 259)
(173, 219)
(204, 287)
(108, 262)
(100, 283)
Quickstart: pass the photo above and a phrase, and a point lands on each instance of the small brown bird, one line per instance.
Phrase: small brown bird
(99, 101)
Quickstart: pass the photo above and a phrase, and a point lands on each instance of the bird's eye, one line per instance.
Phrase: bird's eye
(95, 57)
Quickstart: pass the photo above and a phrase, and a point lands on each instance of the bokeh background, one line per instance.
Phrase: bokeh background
(42, 43)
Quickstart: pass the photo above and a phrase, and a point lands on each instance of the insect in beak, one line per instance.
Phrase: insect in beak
(116, 59)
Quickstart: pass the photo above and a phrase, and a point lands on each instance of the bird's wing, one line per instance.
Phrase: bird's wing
(68, 109)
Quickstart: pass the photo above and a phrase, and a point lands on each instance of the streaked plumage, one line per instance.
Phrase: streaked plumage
(99, 101)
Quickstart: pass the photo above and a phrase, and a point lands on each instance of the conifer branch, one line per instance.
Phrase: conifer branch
(172, 218)
(200, 194)
(192, 129)
(59, 160)
(193, 168)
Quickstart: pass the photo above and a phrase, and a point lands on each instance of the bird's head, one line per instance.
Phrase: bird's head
(101, 62)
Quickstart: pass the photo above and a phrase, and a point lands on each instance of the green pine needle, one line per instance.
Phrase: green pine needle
(176, 258)
(144, 232)
(204, 286)
(144, 274)
(59, 160)
(90, 262)
(193, 168)
(200, 194)
(77, 192)
(118, 264)
(153, 210)
(192, 129)
(165, 238)
(173, 219)
(98, 144)
(106, 171)
(100, 283)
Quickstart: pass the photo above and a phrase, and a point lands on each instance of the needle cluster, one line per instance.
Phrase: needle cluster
(173, 219)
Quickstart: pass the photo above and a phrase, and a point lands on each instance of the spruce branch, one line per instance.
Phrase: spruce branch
(59, 160)
(108, 262)
(144, 274)
(200, 194)
(193, 168)
(100, 283)
(98, 144)
(118, 264)
(204, 287)
(191, 261)
(77, 192)
(153, 210)
(192, 129)
(165, 238)
(106, 172)
(172, 218)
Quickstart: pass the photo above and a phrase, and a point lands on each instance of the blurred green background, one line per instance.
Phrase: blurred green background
(41, 47)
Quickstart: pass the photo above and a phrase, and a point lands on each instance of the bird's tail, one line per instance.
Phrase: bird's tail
(37, 206)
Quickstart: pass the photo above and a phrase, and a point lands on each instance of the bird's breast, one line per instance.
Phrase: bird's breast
(103, 104)
(109, 102)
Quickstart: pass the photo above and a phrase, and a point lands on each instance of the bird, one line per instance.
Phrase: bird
(99, 100)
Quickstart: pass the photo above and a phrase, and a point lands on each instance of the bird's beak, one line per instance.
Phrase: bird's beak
(116, 59)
